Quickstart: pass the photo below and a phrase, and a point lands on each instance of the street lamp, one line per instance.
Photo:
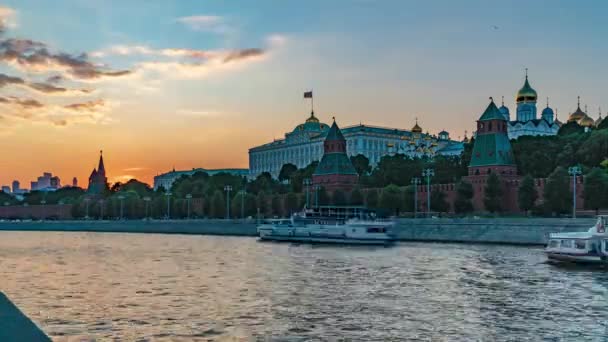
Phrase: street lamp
(415, 183)
(86, 201)
(428, 173)
(168, 194)
(121, 198)
(317, 188)
(227, 188)
(307, 183)
(188, 198)
(147, 200)
(242, 193)
(574, 171)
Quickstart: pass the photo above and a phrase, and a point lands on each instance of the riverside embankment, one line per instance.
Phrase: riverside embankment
(527, 231)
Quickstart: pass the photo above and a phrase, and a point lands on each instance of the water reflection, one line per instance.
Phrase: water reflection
(171, 287)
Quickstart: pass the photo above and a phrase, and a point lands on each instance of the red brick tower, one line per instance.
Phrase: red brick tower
(335, 171)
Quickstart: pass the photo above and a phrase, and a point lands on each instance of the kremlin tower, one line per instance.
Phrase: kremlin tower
(98, 182)
(335, 171)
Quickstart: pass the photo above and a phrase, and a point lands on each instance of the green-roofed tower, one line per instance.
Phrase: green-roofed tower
(492, 150)
(335, 171)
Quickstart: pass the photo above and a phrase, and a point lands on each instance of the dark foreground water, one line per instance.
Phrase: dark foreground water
(90, 286)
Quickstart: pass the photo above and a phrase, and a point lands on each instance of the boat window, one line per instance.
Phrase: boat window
(567, 244)
(580, 244)
(375, 230)
(554, 243)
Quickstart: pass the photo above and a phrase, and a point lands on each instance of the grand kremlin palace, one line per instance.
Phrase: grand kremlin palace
(305, 144)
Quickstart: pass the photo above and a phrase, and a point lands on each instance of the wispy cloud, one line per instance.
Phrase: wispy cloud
(204, 23)
(197, 113)
(135, 169)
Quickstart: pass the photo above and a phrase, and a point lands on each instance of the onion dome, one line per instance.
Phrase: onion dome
(434, 144)
(578, 115)
(587, 122)
(412, 142)
(443, 133)
(427, 137)
(405, 137)
(312, 118)
(416, 128)
(556, 121)
(526, 93)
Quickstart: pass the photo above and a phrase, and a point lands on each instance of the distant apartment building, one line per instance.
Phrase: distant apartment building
(46, 182)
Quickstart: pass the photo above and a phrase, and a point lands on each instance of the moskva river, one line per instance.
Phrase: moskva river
(125, 287)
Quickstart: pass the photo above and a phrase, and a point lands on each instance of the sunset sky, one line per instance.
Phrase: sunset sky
(158, 84)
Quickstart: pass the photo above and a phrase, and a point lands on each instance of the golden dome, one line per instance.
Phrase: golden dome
(405, 137)
(312, 118)
(416, 128)
(578, 115)
(526, 93)
(587, 122)
(433, 144)
(412, 143)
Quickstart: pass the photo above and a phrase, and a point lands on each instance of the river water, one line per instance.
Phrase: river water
(91, 286)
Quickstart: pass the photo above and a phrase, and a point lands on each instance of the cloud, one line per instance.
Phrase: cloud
(202, 22)
(32, 56)
(7, 18)
(9, 80)
(137, 168)
(86, 106)
(197, 113)
(55, 79)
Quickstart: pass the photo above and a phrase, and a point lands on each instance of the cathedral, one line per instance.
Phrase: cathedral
(527, 121)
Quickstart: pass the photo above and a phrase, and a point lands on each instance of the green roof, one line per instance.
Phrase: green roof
(334, 133)
(335, 164)
(492, 113)
(492, 149)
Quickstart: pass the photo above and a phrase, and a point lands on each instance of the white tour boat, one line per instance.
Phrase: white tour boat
(590, 247)
(340, 225)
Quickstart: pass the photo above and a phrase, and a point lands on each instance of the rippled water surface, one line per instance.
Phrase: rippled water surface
(89, 286)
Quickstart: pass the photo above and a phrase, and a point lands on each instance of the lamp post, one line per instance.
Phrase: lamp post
(101, 209)
(227, 188)
(307, 183)
(574, 171)
(188, 198)
(147, 200)
(168, 194)
(86, 201)
(415, 183)
(428, 173)
(242, 193)
(317, 188)
(121, 198)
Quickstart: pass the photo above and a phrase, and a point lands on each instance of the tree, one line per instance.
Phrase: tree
(339, 197)
(361, 164)
(438, 202)
(603, 124)
(391, 199)
(493, 193)
(570, 128)
(557, 195)
(464, 195)
(262, 203)
(277, 206)
(596, 190)
(356, 197)
(291, 202)
(371, 198)
(287, 171)
(217, 208)
(408, 198)
(527, 194)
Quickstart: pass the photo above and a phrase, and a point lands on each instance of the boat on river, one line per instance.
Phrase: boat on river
(590, 247)
(330, 224)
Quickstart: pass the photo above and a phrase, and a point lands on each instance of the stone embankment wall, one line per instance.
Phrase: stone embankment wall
(508, 230)
(501, 230)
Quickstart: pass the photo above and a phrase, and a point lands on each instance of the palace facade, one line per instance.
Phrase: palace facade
(304, 145)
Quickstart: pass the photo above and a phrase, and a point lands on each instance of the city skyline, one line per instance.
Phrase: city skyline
(187, 86)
